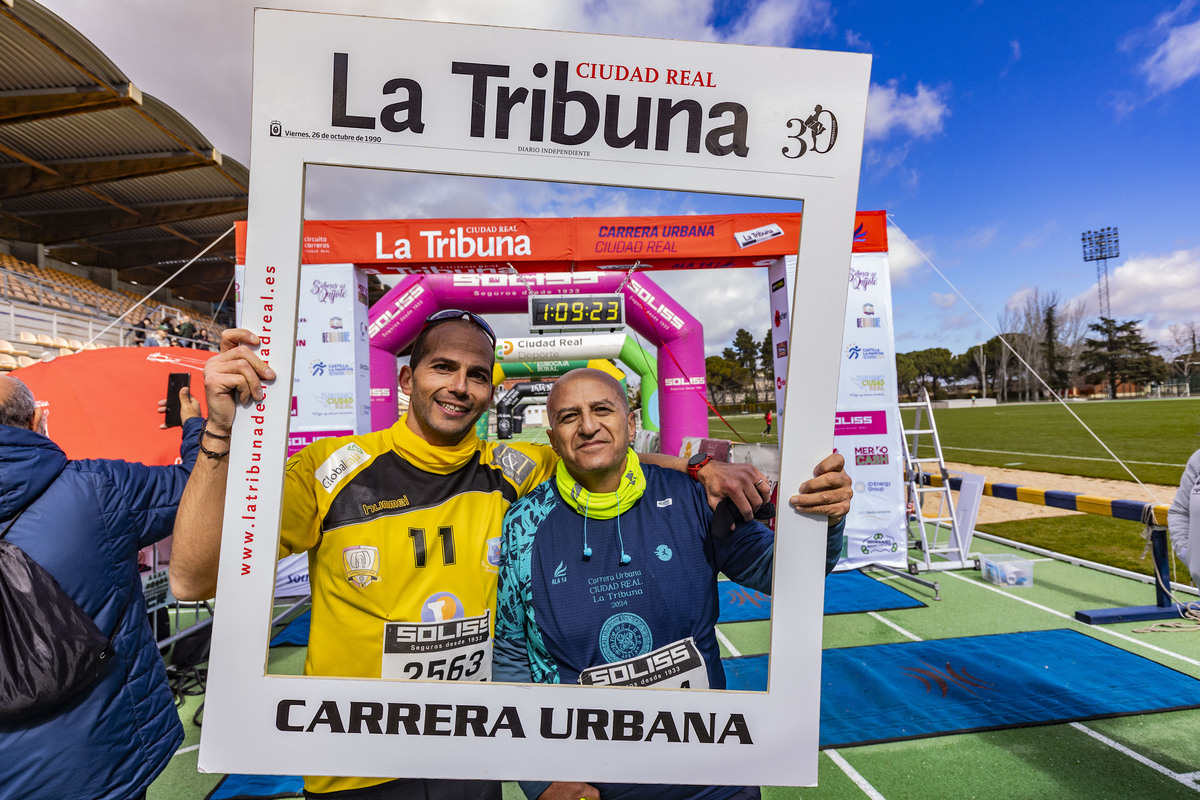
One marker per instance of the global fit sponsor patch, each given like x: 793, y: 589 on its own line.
x: 341, y: 463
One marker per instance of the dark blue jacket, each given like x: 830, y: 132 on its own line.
x: 85, y: 529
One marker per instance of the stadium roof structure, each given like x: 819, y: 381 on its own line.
x: 101, y: 174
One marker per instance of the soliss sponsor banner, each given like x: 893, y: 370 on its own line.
x: 435, y: 98
x: 866, y: 429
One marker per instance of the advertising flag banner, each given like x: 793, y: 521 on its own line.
x: 866, y: 430
x: 488, y: 102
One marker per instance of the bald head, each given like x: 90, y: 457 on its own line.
x: 17, y: 407
x: 604, y: 384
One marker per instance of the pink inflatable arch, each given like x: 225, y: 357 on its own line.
x: 396, y: 320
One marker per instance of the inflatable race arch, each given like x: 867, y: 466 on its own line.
x: 495, y: 265
x: 515, y: 358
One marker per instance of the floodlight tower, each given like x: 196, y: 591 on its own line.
x: 1099, y: 246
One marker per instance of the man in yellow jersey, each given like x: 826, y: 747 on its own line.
x: 402, y: 526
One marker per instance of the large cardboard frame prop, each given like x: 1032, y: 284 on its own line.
x: 430, y: 97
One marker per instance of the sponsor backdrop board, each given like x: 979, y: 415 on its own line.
x: 331, y: 388
x: 865, y: 427
x: 440, y: 98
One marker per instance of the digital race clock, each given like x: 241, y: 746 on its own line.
x: 576, y: 312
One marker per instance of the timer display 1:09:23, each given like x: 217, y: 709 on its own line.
x: 578, y: 310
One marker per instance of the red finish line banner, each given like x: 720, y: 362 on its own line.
x: 555, y: 245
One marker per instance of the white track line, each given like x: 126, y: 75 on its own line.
x: 1097, y: 628
x: 1185, y: 779
x: 723, y: 639
x: 859, y: 781
x: 894, y: 626
x: 1052, y: 455
x: 183, y: 750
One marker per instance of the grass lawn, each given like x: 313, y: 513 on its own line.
x: 1160, y: 434
x: 748, y: 427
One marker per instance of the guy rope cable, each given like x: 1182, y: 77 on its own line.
x: 133, y: 307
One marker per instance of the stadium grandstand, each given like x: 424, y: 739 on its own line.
x: 105, y: 192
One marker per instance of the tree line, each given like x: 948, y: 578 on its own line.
x: 744, y: 372
x: 1059, y: 343
x: 1046, y: 336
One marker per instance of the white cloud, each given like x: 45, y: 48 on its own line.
x: 712, y: 296
x: 904, y: 256
x: 1176, y: 51
x: 879, y: 161
x: 1038, y: 237
x: 1016, y: 301
x: 855, y: 41
x: 772, y: 22
x: 921, y: 115
x: 1176, y: 61
x: 1014, y: 48
x: 979, y: 238
x: 1157, y: 289
x: 944, y: 300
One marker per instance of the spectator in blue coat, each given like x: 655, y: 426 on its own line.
x: 84, y: 522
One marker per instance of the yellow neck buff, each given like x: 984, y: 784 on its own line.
x: 438, y: 460
x: 603, y: 505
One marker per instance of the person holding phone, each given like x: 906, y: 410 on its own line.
x: 84, y: 522
x: 178, y: 386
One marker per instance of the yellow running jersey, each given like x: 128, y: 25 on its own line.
x: 403, y: 546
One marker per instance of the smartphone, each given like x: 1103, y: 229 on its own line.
x: 175, y: 382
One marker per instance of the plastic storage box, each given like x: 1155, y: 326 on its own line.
x: 1007, y: 569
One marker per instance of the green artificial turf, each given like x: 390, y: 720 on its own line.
x: 743, y: 427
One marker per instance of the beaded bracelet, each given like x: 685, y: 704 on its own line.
x: 210, y: 453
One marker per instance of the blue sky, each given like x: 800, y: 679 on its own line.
x: 996, y: 134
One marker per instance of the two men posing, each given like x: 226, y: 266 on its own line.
x: 403, y: 526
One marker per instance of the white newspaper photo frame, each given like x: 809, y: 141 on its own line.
x: 386, y: 94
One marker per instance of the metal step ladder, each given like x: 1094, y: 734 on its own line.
x: 934, y: 537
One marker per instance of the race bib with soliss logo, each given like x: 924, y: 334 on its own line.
x: 678, y: 665
x: 454, y: 650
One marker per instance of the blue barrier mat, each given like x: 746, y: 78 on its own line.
x: 845, y: 593
x: 891, y: 692
x: 295, y: 632
x: 257, y: 787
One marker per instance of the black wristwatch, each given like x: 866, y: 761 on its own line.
x: 695, y: 463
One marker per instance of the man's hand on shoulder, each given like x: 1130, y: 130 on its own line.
x: 743, y: 484
x: 828, y: 492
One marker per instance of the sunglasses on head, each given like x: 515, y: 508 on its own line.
x: 447, y: 314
